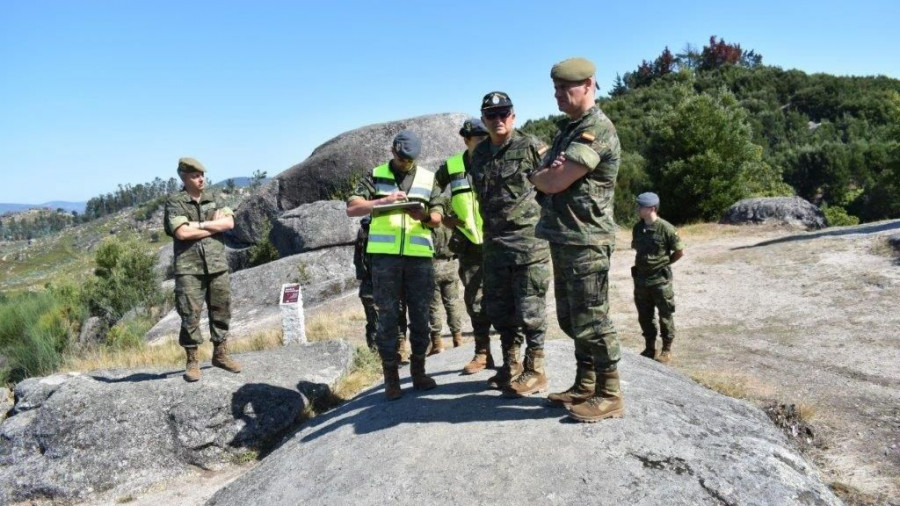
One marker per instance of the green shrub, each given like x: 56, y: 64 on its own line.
x: 128, y: 334
x: 124, y: 279
x: 837, y: 216
x: 263, y: 251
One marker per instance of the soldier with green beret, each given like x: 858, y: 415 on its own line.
x: 576, y: 183
x: 657, y: 246
x: 516, y: 262
x: 196, y: 220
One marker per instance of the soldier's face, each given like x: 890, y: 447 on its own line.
x: 194, y: 181
x: 646, y: 212
x: 498, y: 121
x: 473, y: 141
x: 402, y: 163
x: 570, y: 95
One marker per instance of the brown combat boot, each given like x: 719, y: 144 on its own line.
x: 221, y: 359
x: 421, y: 381
x: 510, y: 370
x: 403, y: 351
x: 482, y: 359
x: 391, y: 380
x: 649, y: 348
x: 457, y: 339
x: 606, y: 403
x: 437, y: 344
x: 582, y: 390
x: 533, y: 379
x: 192, y: 368
x: 665, y: 356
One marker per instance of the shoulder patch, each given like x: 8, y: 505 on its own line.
x: 588, y: 136
x: 542, y: 150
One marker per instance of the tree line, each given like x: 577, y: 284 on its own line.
x: 705, y: 128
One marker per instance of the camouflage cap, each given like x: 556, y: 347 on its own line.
x: 188, y: 164
x: 473, y: 127
x: 648, y: 199
x: 407, y: 144
x: 573, y: 69
x: 496, y: 100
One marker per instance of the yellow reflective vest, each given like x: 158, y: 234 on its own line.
x: 463, y: 201
x: 395, y: 232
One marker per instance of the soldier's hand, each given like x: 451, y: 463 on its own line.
x: 397, y: 196
x: 558, y: 162
x: 451, y: 221
x: 417, y: 213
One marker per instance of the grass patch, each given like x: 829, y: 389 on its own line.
x: 245, y: 457
x: 732, y: 384
x: 365, y: 371
x: 881, y: 247
x: 853, y: 496
x: 326, y: 326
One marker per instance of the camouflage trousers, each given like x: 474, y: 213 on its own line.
x: 446, y: 297
x: 397, y: 278
x: 367, y: 298
x: 191, y: 292
x: 581, y: 283
x: 515, y: 298
x: 649, y: 299
x: 470, y: 273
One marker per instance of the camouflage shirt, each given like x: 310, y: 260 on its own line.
x: 582, y: 214
x: 506, y: 196
x: 199, y: 256
x: 653, y: 245
x: 441, y: 237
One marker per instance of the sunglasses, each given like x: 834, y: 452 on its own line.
x: 502, y: 114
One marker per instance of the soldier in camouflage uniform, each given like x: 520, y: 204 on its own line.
x: 401, y: 247
x: 195, y: 221
x: 446, y: 291
x: 577, y: 180
x: 516, y: 263
x: 363, y: 263
x: 657, y: 246
x: 468, y: 239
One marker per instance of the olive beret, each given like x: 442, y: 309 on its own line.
x: 648, y: 199
x: 188, y: 164
x: 573, y: 69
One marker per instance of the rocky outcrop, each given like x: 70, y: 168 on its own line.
x: 73, y: 436
x: 314, y: 226
x: 333, y: 168
x: 679, y: 443
x: 792, y: 211
x: 323, y: 274
x: 93, y: 330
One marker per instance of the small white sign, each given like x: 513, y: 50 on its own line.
x: 293, y: 322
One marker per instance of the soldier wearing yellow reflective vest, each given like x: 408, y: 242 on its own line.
x: 468, y: 238
x: 401, y: 247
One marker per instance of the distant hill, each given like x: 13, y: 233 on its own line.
x: 54, y: 204
x: 239, y: 182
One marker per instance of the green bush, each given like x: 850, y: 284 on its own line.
x: 263, y: 251
x: 124, y: 279
x: 837, y: 216
x: 128, y: 334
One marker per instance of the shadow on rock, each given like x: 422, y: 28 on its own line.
x: 138, y: 377
x: 454, y: 403
x: 864, y: 229
x: 267, y: 412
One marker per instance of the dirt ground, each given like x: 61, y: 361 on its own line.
x: 772, y: 315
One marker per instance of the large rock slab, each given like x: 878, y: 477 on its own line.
x: 679, y: 443
x: 792, y: 211
x: 335, y: 166
x: 73, y: 436
x: 323, y: 275
x: 312, y: 226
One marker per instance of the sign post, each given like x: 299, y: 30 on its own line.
x: 293, y: 323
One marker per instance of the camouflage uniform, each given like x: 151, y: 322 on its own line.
x: 363, y: 263
x: 653, y: 290
x: 201, y: 270
x: 516, y: 269
x: 396, y: 278
x: 470, y: 256
x: 579, y: 224
x: 446, y: 284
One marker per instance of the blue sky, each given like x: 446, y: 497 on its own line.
x: 98, y: 93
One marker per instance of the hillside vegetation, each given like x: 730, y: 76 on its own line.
x: 706, y: 128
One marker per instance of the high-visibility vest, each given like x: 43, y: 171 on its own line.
x: 395, y: 232
x: 463, y: 201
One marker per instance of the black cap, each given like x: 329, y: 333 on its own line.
x: 407, y: 144
x: 496, y: 100
x: 473, y: 127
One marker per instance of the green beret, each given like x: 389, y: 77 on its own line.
x: 190, y: 165
x: 573, y: 69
